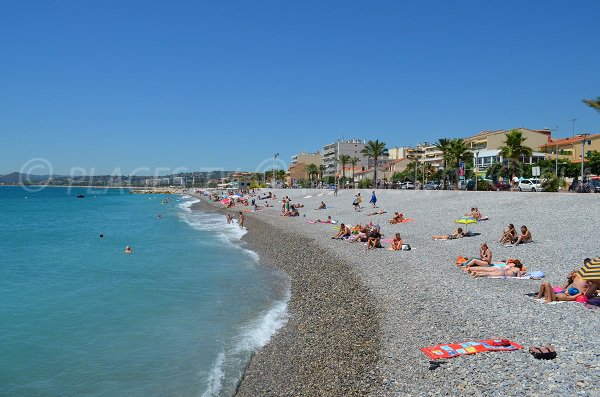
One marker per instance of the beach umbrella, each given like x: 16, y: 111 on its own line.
x: 466, y: 220
x: 590, y: 269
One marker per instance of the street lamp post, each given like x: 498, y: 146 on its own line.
x: 273, y: 172
x: 476, y: 169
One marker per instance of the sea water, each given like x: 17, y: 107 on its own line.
x: 180, y: 316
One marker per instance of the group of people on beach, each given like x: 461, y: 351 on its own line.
x: 510, y: 235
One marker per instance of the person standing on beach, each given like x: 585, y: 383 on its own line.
x: 373, y: 200
x: 335, y: 190
x: 229, y: 219
x: 355, y: 203
x: 241, y: 220
x: 359, y: 200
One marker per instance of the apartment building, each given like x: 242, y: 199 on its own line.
x: 333, y: 151
x: 570, y: 148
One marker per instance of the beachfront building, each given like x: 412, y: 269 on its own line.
x: 570, y: 148
x: 297, y: 169
x: 486, y: 146
x: 398, y: 152
x: 398, y: 165
x: 350, y: 147
x: 383, y: 174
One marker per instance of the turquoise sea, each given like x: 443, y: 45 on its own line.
x: 180, y: 316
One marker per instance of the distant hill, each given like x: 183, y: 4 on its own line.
x: 15, y: 177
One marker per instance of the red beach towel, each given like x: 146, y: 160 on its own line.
x: 461, y: 349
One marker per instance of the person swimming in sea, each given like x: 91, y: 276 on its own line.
x: 128, y: 250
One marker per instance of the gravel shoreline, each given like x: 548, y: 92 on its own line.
x: 330, y: 345
x: 425, y: 300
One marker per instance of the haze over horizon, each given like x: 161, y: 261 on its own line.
x: 105, y: 87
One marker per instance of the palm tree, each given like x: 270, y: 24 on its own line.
x: 321, y: 170
x: 343, y: 159
x: 593, y: 103
x: 374, y: 150
x: 353, y: 162
x: 514, y: 149
x: 457, y: 152
x: 311, y: 170
x: 443, y: 145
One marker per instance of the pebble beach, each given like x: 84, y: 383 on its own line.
x: 358, y: 318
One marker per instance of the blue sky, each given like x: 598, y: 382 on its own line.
x: 128, y: 84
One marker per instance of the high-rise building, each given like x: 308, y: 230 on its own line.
x: 350, y: 147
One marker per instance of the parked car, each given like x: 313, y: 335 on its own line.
x: 530, y: 185
x: 596, y: 184
x: 432, y: 185
x: 464, y: 183
x: 407, y: 185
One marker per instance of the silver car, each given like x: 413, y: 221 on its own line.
x: 530, y: 185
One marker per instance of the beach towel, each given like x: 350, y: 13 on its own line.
x: 461, y: 349
x: 523, y: 277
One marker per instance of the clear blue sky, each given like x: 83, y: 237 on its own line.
x: 127, y: 84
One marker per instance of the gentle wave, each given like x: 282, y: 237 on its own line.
x: 229, y: 365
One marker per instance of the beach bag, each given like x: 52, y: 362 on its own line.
x: 406, y: 247
x: 460, y: 260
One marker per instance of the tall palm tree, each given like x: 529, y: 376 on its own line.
x: 514, y: 149
x: 374, y: 150
x: 353, y: 162
x: 443, y: 145
x: 343, y: 159
x: 457, y: 152
x: 593, y: 103
x: 321, y: 171
x: 311, y: 170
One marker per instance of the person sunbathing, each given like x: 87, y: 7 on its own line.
x: 343, y: 233
x: 298, y: 205
x: 525, y: 236
x: 572, y: 289
x: 374, y: 240
x: 380, y: 212
x: 458, y: 233
x: 396, y: 243
x: 484, y: 260
x: 328, y: 220
x: 509, y: 234
x: 512, y: 269
x: 398, y: 218
x: 322, y: 206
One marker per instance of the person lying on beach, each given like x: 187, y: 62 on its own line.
x: 573, y: 288
x: 398, y: 218
x: 380, y: 212
x: 374, y: 240
x: 509, y: 235
x: 484, y: 260
x: 322, y: 206
x: 525, y: 236
x: 298, y: 205
x: 458, y: 233
x: 328, y: 220
x: 396, y: 243
x: 229, y: 219
x: 343, y: 233
x: 512, y: 269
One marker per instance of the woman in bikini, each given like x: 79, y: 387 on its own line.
x: 396, y: 243
x: 512, y: 269
x: 484, y: 260
x: 508, y: 235
x: 573, y: 288
x: 525, y: 236
x: 458, y: 233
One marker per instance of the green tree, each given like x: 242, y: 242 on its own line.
x: 593, y: 103
x: 513, y: 149
x: 343, y: 159
x: 443, y: 145
x: 457, y: 152
x: 353, y: 162
x: 374, y: 150
x: 593, y: 161
x: 321, y: 171
x: 311, y: 170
